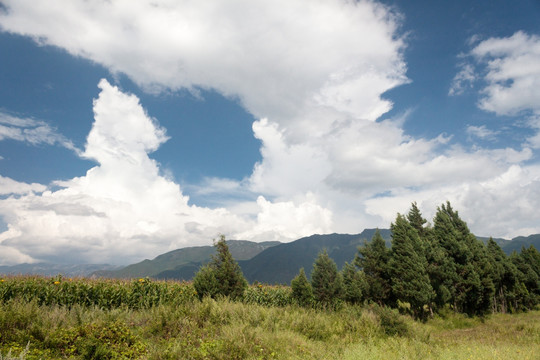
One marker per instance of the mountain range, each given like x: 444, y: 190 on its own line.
x: 267, y: 262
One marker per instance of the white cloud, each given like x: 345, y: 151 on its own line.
x: 481, y: 132
x: 513, y: 73
x: 277, y: 57
x: 502, y: 206
x: 314, y: 72
x: 9, y: 186
x: 123, y: 210
x: 286, y: 219
x: 463, y: 80
x: 34, y: 132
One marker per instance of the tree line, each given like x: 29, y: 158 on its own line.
x: 428, y: 268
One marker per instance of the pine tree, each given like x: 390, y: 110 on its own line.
x: 408, y: 268
x: 354, y: 284
x: 528, y: 292
x: 222, y: 276
x: 417, y: 221
x: 463, y: 273
x: 504, y: 276
x: 373, y: 259
x: 326, y: 281
x: 301, y: 289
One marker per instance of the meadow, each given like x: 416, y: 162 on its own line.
x: 59, y: 318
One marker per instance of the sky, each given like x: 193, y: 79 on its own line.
x: 128, y: 129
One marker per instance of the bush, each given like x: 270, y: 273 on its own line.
x: 391, y: 322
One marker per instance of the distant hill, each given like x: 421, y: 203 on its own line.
x: 267, y: 262
x: 46, y: 269
x: 521, y: 241
x: 165, y: 266
x: 280, y: 264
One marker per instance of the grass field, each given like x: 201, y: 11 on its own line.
x: 119, y: 323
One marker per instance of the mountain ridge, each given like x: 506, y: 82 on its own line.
x: 270, y: 262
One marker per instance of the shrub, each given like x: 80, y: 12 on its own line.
x: 391, y: 322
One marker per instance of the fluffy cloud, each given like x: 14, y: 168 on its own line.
x: 503, y: 205
x: 123, y: 210
x: 10, y: 186
x: 513, y: 73
x: 277, y: 57
x: 314, y: 73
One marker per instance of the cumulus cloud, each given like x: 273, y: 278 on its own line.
x: 501, y: 206
x: 313, y: 73
x: 9, y: 186
x: 282, y: 219
x: 123, y: 210
x: 31, y: 131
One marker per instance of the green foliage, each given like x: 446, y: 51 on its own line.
x: 463, y: 276
x: 223, y: 329
x: 326, y: 281
x: 110, y: 294
x: 354, y: 284
x: 373, y: 259
x: 302, y: 292
x: 222, y: 276
x: 390, y: 321
x: 206, y: 283
x: 408, y: 268
x: 528, y: 289
x: 268, y: 295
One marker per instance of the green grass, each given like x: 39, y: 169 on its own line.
x: 267, y: 325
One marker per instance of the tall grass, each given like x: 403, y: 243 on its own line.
x: 98, y: 319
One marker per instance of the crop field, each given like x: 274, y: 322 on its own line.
x: 61, y: 318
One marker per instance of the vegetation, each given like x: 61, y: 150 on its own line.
x: 222, y: 276
x: 432, y: 268
x: 326, y: 281
x: 302, y: 292
x: 460, y: 288
x: 254, y: 328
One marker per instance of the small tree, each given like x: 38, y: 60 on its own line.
x: 222, y: 276
x: 326, y: 281
x: 301, y: 289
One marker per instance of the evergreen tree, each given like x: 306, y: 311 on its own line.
x: 326, y: 281
x: 463, y: 271
x: 222, y: 276
x: 504, y: 276
x: 408, y: 268
x: 354, y: 284
x: 528, y: 292
x: 301, y: 289
x: 417, y: 221
x: 373, y: 259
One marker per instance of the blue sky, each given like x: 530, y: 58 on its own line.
x: 130, y: 129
